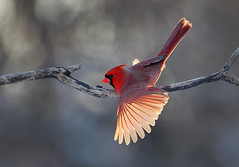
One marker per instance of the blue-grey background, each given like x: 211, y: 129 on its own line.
x: 47, y: 124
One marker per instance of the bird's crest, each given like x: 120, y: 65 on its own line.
x: 121, y: 67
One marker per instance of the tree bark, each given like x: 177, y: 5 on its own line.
x: 63, y: 74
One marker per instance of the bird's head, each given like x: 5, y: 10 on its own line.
x: 115, y: 77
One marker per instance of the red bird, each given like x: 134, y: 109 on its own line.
x: 140, y: 102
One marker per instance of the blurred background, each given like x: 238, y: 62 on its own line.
x: 46, y: 123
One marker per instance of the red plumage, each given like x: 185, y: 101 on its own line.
x: 140, y: 102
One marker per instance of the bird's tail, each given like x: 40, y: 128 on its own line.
x: 177, y: 35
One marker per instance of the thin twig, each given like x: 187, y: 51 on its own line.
x: 63, y: 74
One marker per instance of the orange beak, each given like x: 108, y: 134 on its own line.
x: 105, y: 80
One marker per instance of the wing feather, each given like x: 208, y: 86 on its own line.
x: 139, y: 119
x: 131, y: 128
x: 157, y: 108
x: 136, y: 125
x: 147, y: 110
x: 136, y: 114
x: 117, y: 128
x: 120, y: 131
x: 143, y: 114
x: 125, y: 129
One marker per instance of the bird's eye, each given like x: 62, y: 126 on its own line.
x: 111, y: 76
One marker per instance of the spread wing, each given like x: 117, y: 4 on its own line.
x: 137, y: 114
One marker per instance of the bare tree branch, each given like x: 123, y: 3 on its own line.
x: 220, y: 75
x: 63, y: 74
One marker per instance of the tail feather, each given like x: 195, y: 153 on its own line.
x: 177, y: 35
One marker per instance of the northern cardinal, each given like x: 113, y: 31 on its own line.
x: 140, y: 102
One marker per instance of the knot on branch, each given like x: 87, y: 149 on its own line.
x: 231, y: 79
